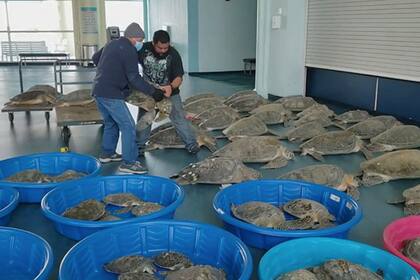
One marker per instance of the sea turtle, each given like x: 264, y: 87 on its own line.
x: 142, y: 100
x: 169, y: 138
x: 307, y: 222
x: 198, y: 106
x: 388, y: 121
x: 304, y: 132
x: 216, y: 171
x: 296, y: 103
x: 249, y: 126
x: 257, y: 149
x: 303, y: 207
x: 133, y: 263
x: 403, y: 164
x: 334, y: 143
x: 259, y: 213
x: 411, y: 249
x: 396, y: 138
x: 247, y: 103
x: 272, y: 113
x: 353, y: 116
x: 197, y: 272
x: 345, y: 270
x: 137, y: 276
x: 145, y: 208
x: 123, y: 199
x: 78, y: 97
x: 315, y: 109
x: 319, y: 117
x: 239, y: 94
x: 216, y: 118
x: 35, y: 95
x: 368, y: 128
x: 109, y: 218
x: 200, y: 96
x: 68, y: 175
x: 326, y: 174
x: 411, y: 199
x: 147, y: 103
x: 90, y: 210
x: 172, y: 261
x: 301, y: 274
x: 29, y: 176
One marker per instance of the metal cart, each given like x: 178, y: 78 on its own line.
x: 32, y: 58
x: 73, y: 115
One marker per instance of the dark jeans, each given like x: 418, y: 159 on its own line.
x: 117, y: 118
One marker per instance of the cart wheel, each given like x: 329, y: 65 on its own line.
x: 47, y: 116
x: 65, y: 134
x: 64, y: 149
x: 27, y: 112
x: 11, y: 117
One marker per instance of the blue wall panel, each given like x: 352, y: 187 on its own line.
x: 399, y: 98
x: 351, y: 89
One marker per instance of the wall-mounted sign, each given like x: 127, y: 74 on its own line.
x: 89, y: 20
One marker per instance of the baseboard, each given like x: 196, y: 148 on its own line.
x: 220, y: 72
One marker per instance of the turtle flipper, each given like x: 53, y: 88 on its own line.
x: 278, y: 162
x: 368, y: 154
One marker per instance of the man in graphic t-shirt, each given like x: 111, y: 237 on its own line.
x: 162, y: 66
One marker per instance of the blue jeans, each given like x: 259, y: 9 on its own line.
x: 117, y: 118
x: 177, y: 117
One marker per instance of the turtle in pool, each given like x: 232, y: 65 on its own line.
x: 249, y: 126
x: 326, y: 174
x: 216, y: 171
x: 36, y: 95
x: 239, y: 94
x: 172, y: 261
x: 304, y: 132
x: 198, y: 106
x: 133, y: 263
x: 68, y: 175
x: 411, y: 249
x: 345, y: 270
x: 29, y: 176
x: 201, y: 272
x: 272, y: 113
x: 216, y: 118
x: 80, y: 97
x: 334, y: 143
x: 123, y: 199
x: 200, y: 96
x: 137, y: 276
x: 145, y: 208
x: 411, y: 199
x: 257, y: 149
x: 316, y: 108
x: 353, y: 116
x: 247, y: 103
x: 302, y: 208
x: 301, y: 274
x: 109, y: 218
x: 169, y: 138
x: 396, y: 138
x: 403, y: 164
x: 259, y: 213
x: 296, y: 103
x: 89, y: 210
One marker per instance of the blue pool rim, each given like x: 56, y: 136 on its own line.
x: 246, y: 253
x: 229, y: 219
x: 105, y: 224
x: 12, y: 204
x: 46, y: 270
x: 274, y: 251
x: 52, y: 184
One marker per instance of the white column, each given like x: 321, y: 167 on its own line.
x: 263, y: 46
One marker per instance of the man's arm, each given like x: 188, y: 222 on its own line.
x: 96, y: 56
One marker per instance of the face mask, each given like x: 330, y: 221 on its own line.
x: 138, y: 45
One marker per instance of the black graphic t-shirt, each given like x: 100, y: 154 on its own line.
x: 160, y: 70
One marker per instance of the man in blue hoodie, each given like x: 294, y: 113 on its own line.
x: 117, y: 69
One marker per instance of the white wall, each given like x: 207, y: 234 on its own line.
x: 172, y: 13
x: 226, y: 34
x: 281, y: 52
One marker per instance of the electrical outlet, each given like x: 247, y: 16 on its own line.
x: 276, y: 22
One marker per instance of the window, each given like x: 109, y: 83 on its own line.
x: 41, y: 22
x: 122, y: 13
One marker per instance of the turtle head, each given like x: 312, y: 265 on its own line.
x: 188, y: 175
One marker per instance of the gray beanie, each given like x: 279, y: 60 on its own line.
x: 134, y: 31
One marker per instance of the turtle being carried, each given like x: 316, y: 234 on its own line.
x: 147, y: 103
